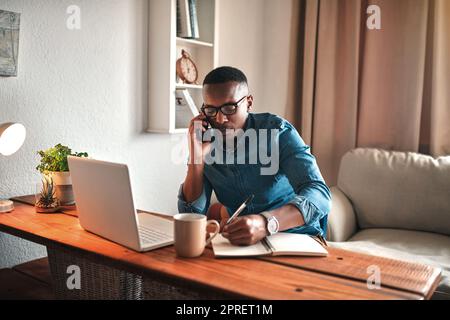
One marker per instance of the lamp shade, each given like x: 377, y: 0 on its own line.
x: 12, y: 136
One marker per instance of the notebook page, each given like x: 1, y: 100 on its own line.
x: 222, y: 247
x: 296, y: 244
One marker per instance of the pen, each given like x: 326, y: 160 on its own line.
x: 239, y: 210
x: 321, y: 240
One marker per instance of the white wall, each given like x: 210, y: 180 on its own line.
x: 254, y: 36
x: 87, y: 89
x: 278, y: 17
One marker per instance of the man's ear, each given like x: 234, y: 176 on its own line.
x: 249, y: 102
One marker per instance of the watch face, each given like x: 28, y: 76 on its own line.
x: 272, y: 226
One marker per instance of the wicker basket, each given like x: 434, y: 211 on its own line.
x: 102, y: 282
x: 98, y: 281
x: 157, y: 290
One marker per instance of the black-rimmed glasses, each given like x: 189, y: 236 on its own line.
x: 226, y: 109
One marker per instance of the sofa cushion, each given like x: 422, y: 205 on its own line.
x: 400, y: 190
x: 341, y: 219
x: 413, y: 246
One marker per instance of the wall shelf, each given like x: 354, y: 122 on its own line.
x: 192, y: 42
x: 164, y: 50
x: 188, y: 86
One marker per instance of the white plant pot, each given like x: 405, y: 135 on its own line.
x: 64, y: 191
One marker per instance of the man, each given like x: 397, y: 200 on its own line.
x: 293, y: 199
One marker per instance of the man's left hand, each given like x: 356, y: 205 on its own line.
x: 247, y: 230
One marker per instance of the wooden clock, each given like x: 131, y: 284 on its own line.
x: 186, y: 69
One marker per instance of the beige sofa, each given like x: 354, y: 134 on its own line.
x: 394, y: 204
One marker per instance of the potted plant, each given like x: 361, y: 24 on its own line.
x: 54, y: 164
x: 46, y: 200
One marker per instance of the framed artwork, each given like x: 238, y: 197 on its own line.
x: 9, y: 42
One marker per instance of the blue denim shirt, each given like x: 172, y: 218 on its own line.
x: 298, y: 180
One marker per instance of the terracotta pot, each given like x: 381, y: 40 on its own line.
x: 46, y: 210
x: 64, y: 191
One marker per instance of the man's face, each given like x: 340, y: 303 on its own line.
x: 230, y: 92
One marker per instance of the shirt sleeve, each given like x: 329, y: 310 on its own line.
x: 200, y: 205
x: 313, y: 197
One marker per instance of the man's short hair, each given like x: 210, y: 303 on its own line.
x: 225, y: 74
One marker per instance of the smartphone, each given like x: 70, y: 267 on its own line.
x: 207, y: 126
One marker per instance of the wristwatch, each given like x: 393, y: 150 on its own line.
x: 272, y: 223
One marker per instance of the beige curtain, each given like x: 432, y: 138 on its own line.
x: 355, y: 87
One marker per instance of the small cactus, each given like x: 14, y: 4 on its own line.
x: 46, y: 198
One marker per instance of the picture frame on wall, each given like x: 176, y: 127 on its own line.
x: 9, y: 43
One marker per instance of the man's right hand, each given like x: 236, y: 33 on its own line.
x: 193, y: 184
x: 196, y: 145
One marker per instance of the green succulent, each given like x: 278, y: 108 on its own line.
x: 47, y: 198
x: 55, y: 159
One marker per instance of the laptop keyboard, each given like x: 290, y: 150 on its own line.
x: 149, y: 235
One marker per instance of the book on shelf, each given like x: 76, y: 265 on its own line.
x: 185, y: 108
x: 184, y: 28
x: 275, y: 245
x: 194, y: 19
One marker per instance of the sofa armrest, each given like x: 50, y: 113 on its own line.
x: 341, y: 219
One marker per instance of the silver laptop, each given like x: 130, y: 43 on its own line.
x: 105, y: 206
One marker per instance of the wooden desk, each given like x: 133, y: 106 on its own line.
x: 109, y: 270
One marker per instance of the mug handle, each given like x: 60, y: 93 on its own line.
x: 214, y: 222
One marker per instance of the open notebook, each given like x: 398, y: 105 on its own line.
x: 276, y: 245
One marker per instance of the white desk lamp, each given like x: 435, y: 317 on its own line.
x: 12, y: 137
